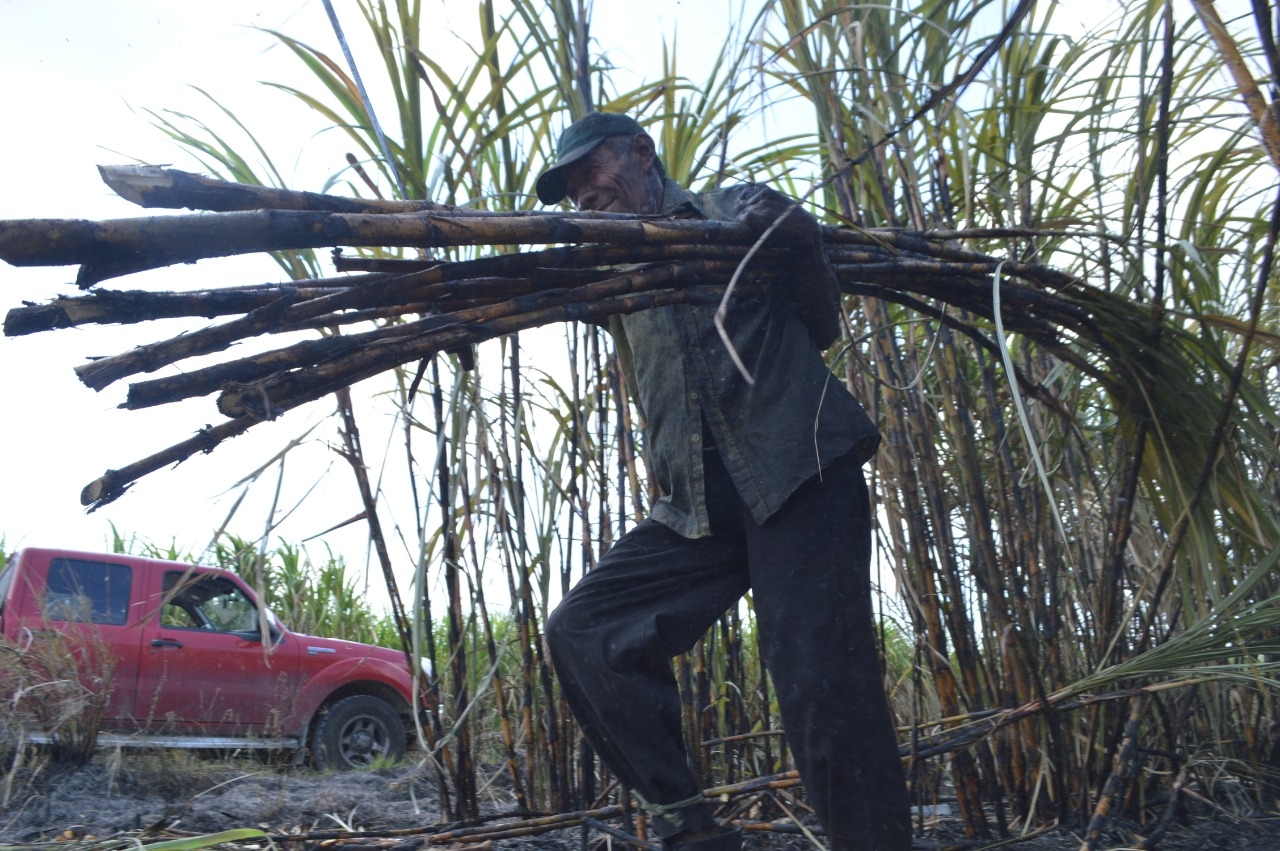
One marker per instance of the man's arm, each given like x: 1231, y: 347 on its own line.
x: 816, y: 290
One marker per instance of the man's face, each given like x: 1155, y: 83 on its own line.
x: 606, y: 182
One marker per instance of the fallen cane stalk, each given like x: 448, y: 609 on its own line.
x: 541, y: 824
x: 620, y: 835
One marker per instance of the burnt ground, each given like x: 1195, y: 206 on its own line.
x: 167, y: 794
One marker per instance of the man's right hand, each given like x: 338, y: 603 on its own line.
x: 768, y: 205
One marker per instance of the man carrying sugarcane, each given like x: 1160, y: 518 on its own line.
x: 762, y: 490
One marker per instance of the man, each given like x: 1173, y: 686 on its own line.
x: 762, y: 490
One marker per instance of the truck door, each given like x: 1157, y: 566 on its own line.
x: 207, y: 666
x: 83, y: 617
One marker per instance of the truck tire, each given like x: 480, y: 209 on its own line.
x: 356, y: 732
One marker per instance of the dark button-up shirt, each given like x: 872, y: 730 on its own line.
x: 772, y: 436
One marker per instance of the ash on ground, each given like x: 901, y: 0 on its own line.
x: 170, y: 794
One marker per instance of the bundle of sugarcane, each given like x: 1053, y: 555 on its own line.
x: 600, y: 265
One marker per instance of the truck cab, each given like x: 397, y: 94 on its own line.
x: 186, y: 656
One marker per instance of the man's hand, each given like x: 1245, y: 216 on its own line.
x: 768, y: 205
x: 815, y: 290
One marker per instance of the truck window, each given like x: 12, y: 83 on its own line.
x: 88, y: 591
x: 206, y: 602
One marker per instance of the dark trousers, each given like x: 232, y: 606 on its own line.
x: 655, y: 593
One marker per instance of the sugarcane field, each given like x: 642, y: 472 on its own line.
x: 646, y: 433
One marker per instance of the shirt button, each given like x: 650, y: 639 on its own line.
x: 694, y: 396
x: 697, y: 438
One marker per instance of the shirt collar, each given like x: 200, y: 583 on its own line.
x: 678, y: 201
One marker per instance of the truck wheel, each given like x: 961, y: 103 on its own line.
x: 355, y: 732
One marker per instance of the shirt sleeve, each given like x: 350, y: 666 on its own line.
x: 814, y: 287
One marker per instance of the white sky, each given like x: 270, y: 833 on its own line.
x: 79, y: 75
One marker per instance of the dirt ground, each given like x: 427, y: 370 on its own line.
x: 174, y: 794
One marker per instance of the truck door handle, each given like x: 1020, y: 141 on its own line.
x: 166, y: 642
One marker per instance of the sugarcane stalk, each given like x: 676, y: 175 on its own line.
x: 1262, y: 113
x: 263, y: 401
x: 558, y: 257
x: 540, y: 823
x: 169, y: 188
x: 276, y: 317
x: 201, y: 382
x: 286, y: 311
x: 374, y: 290
x: 961, y: 285
x: 292, y: 309
x: 473, y: 300
x: 271, y: 396
x: 155, y: 186
x: 1124, y: 765
x: 101, y: 372
x: 989, y: 722
x: 113, y: 247
x: 125, y: 307
x: 112, y: 484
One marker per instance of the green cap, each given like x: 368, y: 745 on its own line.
x: 578, y: 140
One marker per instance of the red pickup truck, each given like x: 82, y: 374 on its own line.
x: 195, y: 661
